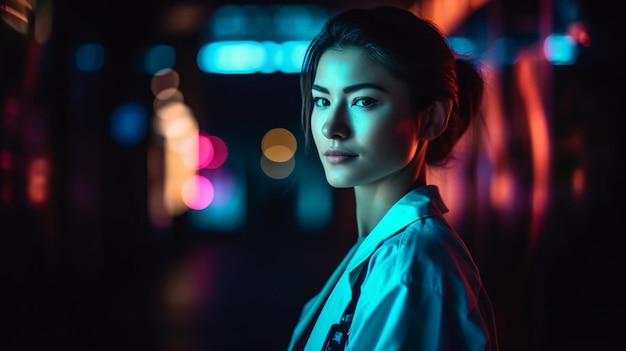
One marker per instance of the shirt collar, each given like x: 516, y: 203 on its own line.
x: 419, y: 203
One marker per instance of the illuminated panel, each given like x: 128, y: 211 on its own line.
x: 248, y: 39
x: 276, y: 22
x: 274, y: 57
x: 232, y: 57
x: 248, y: 57
x: 293, y: 56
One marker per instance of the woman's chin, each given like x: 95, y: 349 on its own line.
x: 339, y: 183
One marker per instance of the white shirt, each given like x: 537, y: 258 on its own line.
x: 422, y: 290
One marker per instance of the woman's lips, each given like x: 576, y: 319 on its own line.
x: 335, y: 156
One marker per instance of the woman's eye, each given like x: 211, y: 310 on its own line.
x: 321, y: 102
x: 365, y: 102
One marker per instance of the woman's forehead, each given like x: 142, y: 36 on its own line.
x: 345, y: 67
x: 350, y: 65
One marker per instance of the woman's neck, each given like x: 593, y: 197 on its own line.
x: 374, y: 200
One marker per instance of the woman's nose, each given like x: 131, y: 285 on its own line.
x: 336, y: 126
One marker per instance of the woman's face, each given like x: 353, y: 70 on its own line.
x: 362, y: 122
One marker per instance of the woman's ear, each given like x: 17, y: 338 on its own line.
x: 435, y: 119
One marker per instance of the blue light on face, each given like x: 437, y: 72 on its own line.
x: 129, y: 124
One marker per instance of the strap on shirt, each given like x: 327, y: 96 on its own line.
x: 337, y: 336
x: 346, y: 318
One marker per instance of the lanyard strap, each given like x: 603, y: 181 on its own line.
x: 338, y: 333
x: 346, y: 318
x: 337, y: 336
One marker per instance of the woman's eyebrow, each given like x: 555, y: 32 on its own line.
x: 351, y: 88
x: 320, y: 89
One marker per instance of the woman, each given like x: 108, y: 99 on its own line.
x: 383, y: 97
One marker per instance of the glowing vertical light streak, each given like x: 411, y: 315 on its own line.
x: 530, y: 88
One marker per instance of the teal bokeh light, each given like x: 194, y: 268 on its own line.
x: 227, y: 212
x: 463, y: 46
x: 159, y: 57
x: 560, y: 49
x: 314, y: 201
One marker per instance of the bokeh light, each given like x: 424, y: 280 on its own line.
x: 38, y: 176
x: 228, y: 210
x: 197, y: 192
x: 164, y: 79
x: 560, y: 49
x: 197, y: 151
x: 206, y: 152
x: 279, y: 144
x: 175, y: 122
x: 220, y: 152
x: 166, y: 97
x: 159, y: 57
x: 277, y: 170
x: 89, y: 57
x: 232, y: 57
x: 248, y: 57
x: 129, y: 124
x: 463, y: 46
x: 314, y: 202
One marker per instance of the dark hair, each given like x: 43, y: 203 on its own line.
x: 414, y: 51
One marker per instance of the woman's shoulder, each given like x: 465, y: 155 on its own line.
x: 426, y: 250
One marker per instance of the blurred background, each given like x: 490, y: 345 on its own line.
x: 156, y: 192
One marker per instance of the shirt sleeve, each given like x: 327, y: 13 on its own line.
x: 424, y: 298
x: 403, y: 319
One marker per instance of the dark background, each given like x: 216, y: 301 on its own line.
x: 88, y: 272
